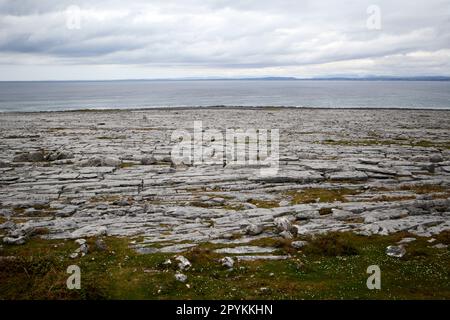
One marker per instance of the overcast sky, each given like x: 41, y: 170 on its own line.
x: 58, y: 39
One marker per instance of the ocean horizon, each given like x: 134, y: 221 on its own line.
x: 142, y: 94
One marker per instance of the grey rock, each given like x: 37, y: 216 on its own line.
x: 161, y: 209
x: 261, y: 257
x: 290, y: 176
x: 123, y: 203
x: 148, y: 160
x: 406, y: 240
x: 89, y: 231
x: 67, y: 211
x: 83, y: 249
x: 36, y: 156
x: 8, y: 225
x: 254, y: 229
x: 227, y: 262
x: 146, y: 250
x: 111, y: 162
x: 183, y: 263
x: 435, y: 158
x: 348, y: 176
x: 286, y: 235
x: 180, y: 277
x: 424, y: 197
x: 101, y: 162
x: 15, y: 241
x: 440, y: 246
x: 339, y: 214
x: 395, y: 251
x: 369, y: 161
x: 176, y: 248
x: 244, y: 250
x: 387, y: 214
x: 80, y: 241
x: 59, y: 155
x: 299, y: 244
x: 282, y: 224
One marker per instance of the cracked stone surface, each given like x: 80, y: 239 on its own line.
x: 97, y: 173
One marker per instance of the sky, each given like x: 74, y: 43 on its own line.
x: 147, y: 39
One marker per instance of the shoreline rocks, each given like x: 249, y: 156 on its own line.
x: 90, y: 180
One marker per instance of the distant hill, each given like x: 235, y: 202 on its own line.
x: 385, y: 78
x: 341, y: 78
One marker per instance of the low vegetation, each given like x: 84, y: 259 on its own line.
x: 312, y: 195
x: 331, y: 266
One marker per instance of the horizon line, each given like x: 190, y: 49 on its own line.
x: 264, y: 78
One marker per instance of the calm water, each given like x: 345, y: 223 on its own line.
x: 46, y: 96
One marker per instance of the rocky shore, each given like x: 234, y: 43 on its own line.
x: 71, y: 175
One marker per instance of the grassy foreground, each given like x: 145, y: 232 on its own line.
x: 330, y: 267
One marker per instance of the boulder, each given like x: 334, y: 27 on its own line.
x: 148, y: 160
x: 183, y: 263
x: 282, y: 224
x: 83, y: 249
x: 16, y: 241
x: 180, y: 277
x: 90, y: 231
x: 435, y: 158
x: 298, y: 244
x: 286, y: 235
x: 80, y: 241
x: 253, y: 229
x: 227, y: 262
x: 395, y: 251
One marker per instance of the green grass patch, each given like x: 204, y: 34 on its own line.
x: 125, y: 165
x: 313, y: 195
x: 331, y: 266
x: 267, y: 204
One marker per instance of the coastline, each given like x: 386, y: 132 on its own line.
x: 357, y: 180
x: 223, y: 107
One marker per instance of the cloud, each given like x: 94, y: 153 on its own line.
x: 218, y: 38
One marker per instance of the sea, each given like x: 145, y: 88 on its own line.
x: 134, y: 94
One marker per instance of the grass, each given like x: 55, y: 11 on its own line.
x: 313, y: 195
x: 332, y: 266
x: 111, y: 137
x: 332, y: 245
x: 225, y: 206
x: 425, y: 189
x: 325, y: 211
x: 125, y: 165
x: 105, y: 198
x: 267, y: 204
